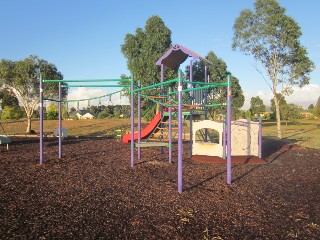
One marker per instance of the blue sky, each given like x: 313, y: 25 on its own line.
x: 83, y: 38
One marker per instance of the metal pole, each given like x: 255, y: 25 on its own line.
x: 161, y: 107
x: 229, y: 114
x: 170, y: 131
x: 139, y: 119
x: 41, y: 120
x: 191, y: 99
x: 206, y: 102
x: 180, y: 145
x: 224, y: 138
x: 132, y: 121
x: 260, y: 138
x: 60, y: 123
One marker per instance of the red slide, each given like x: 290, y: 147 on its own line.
x: 146, y: 131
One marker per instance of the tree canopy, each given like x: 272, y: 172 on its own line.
x: 272, y: 38
x: 144, y: 48
x: 8, y: 99
x: 257, y: 106
x: 22, y: 78
x: 217, y: 74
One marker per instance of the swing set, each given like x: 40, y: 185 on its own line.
x: 60, y: 101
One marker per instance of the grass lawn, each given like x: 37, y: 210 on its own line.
x: 303, y: 132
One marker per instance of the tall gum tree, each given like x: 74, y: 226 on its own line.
x: 22, y: 78
x: 142, y: 50
x: 272, y: 38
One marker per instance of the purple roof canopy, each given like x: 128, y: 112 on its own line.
x: 176, y: 55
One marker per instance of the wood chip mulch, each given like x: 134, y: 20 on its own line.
x: 93, y: 193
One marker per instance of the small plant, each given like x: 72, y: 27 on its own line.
x: 206, y: 236
x: 185, y: 216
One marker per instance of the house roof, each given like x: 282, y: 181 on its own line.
x: 176, y: 55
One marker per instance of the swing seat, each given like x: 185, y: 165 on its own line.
x: 64, y: 132
x: 5, y: 140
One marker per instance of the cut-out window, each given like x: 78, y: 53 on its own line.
x: 208, y: 135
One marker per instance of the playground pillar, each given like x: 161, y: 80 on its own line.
x: 180, y: 145
x: 41, y: 119
x: 191, y: 99
x: 139, y: 119
x: 206, y: 102
x: 260, y: 138
x: 132, y: 121
x: 60, y: 123
x: 224, y: 139
x: 170, y: 130
x: 229, y: 114
x: 161, y: 100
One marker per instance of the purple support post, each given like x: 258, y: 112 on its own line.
x: 180, y: 145
x: 161, y: 100
x: 41, y: 119
x: 139, y: 119
x: 229, y: 114
x: 224, y: 138
x: 60, y: 123
x: 132, y: 121
x: 206, y: 102
x: 191, y: 99
x: 260, y: 138
x: 170, y: 131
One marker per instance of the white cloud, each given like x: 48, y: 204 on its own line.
x: 85, y: 93
x: 301, y: 96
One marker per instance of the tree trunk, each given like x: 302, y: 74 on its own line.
x: 278, y: 116
x: 29, y: 125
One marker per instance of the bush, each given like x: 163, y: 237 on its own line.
x: 11, y: 113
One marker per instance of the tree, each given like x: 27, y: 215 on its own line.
x: 52, y: 112
x: 8, y: 99
x: 256, y: 106
x: 22, y: 78
x: 317, y: 108
x: 282, y: 103
x: 143, y: 49
x: 311, y: 107
x: 117, y: 111
x: 272, y: 38
x: 217, y: 73
x: 292, y: 112
x: 11, y: 112
x: 105, y: 113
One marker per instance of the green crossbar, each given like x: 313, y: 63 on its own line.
x: 87, y: 80
x: 121, y: 86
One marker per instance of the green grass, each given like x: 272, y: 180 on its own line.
x: 302, y: 132
x: 90, y: 127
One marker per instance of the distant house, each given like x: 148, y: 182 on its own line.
x: 307, y: 115
x: 84, y: 114
x: 81, y: 114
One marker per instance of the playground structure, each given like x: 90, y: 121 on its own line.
x: 244, y: 140
x: 247, y: 135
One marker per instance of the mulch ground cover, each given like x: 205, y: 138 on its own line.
x: 93, y: 193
